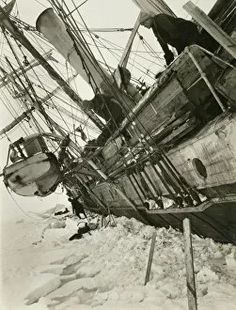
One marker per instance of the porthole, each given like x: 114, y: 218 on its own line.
x: 199, y: 168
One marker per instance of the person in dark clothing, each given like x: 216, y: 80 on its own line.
x: 174, y: 31
x: 105, y: 106
x: 110, y: 110
x: 77, y: 207
x: 81, y: 231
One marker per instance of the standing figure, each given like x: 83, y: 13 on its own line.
x: 110, y: 110
x: 174, y: 31
x: 77, y: 207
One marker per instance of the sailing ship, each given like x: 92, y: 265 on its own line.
x: 165, y: 152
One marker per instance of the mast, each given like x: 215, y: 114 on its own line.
x: 16, y: 121
x: 6, y: 22
x: 6, y: 10
x: 11, y: 78
x: 73, y: 47
x: 61, y: 109
x: 32, y: 64
x: 21, y: 24
x: 124, y: 59
x: 150, y: 8
x: 70, y: 114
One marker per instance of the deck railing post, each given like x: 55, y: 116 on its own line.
x: 190, y: 277
x: 205, y: 78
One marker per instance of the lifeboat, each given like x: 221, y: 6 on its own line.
x: 34, y: 170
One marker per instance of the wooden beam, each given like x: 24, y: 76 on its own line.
x: 7, y: 9
x: 150, y: 258
x: 124, y: 59
x: 212, y: 28
x: 16, y: 121
x: 204, y: 77
x: 190, y: 277
x: 20, y: 37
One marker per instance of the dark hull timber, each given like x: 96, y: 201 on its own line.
x: 207, y: 161
x: 214, y: 219
x: 178, y: 105
x: 202, y: 153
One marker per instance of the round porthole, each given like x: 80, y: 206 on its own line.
x: 199, y: 168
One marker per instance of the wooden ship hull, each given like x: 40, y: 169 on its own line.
x: 215, y: 217
x: 190, y: 144
x: 212, y: 219
x: 182, y: 146
x: 174, y: 155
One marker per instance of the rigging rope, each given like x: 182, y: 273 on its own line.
x: 18, y: 77
x: 146, y: 143
x: 22, y: 125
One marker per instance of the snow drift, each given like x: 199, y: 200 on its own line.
x: 106, y: 270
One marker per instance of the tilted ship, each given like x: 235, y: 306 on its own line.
x: 171, y: 155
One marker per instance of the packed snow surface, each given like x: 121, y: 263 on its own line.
x: 106, y: 269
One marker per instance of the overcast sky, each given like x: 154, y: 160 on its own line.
x: 97, y: 13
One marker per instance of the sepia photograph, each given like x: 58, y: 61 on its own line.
x: 117, y: 154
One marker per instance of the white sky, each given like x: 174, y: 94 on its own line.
x: 97, y: 14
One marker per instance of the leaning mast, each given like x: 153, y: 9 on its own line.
x: 6, y: 23
x: 24, y: 115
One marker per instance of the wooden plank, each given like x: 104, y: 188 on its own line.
x: 204, y: 77
x: 227, y: 85
x: 150, y: 258
x: 212, y: 28
x: 214, y: 146
x: 190, y: 277
x: 181, y: 131
x: 125, y: 56
x: 169, y: 99
x: 213, y: 219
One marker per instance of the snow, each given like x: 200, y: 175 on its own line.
x: 42, y: 285
x: 41, y: 269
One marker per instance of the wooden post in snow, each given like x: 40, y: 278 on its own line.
x: 211, y: 27
x: 150, y: 257
x: 190, y: 277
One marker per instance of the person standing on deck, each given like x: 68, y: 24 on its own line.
x: 106, y: 107
x: 171, y: 30
x: 110, y: 110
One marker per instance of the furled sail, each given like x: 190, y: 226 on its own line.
x: 53, y: 28
x: 154, y: 7
x: 10, y: 26
x: 77, y: 54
